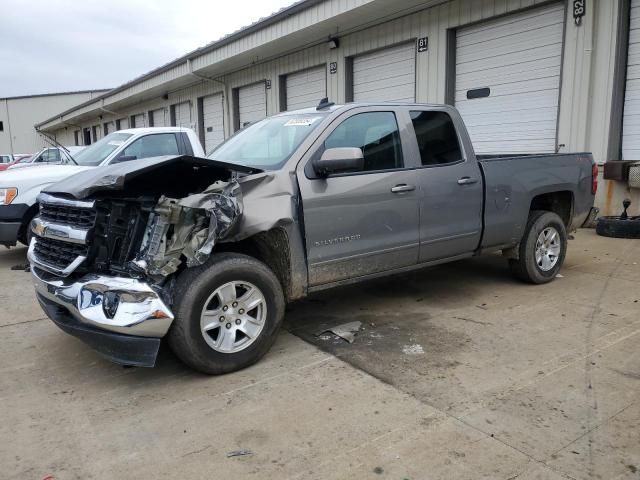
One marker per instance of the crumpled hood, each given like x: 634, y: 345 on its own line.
x: 117, y: 177
x: 47, y: 173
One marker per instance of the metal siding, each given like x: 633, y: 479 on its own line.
x: 631, y: 119
x: 306, y: 88
x: 213, y: 114
x: 387, y: 75
x: 252, y: 103
x: 519, y: 57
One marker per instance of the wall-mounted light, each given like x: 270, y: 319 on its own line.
x: 333, y: 43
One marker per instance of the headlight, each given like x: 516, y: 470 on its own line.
x: 7, y: 195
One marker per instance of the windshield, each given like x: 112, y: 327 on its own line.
x: 269, y: 143
x: 95, y: 154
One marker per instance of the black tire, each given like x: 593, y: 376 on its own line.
x: 193, y: 288
x: 26, y: 234
x: 618, y: 228
x: 525, y: 267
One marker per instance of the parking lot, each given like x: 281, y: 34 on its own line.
x: 458, y: 371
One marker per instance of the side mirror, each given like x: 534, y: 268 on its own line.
x: 339, y: 160
x: 124, y: 158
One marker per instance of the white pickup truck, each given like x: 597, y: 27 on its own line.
x: 19, y: 188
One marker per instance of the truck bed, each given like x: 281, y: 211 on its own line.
x: 513, y: 182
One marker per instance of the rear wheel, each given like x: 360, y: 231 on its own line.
x: 228, y: 313
x: 542, y: 249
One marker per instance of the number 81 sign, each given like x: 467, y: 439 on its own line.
x: 579, y: 7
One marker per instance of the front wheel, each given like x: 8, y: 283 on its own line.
x: 542, y: 249
x: 228, y: 313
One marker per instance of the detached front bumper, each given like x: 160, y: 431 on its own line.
x: 123, y: 319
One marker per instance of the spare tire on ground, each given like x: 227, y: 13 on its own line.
x: 618, y: 227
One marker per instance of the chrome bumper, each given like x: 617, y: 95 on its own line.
x: 115, y: 304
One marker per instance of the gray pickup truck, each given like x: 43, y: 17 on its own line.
x: 207, y: 251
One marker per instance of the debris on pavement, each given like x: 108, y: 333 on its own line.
x: 414, y: 349
x: 25, y: 267
x: 239, y: 453
x: 346, y: 331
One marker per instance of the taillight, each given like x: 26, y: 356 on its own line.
x: 594, y: 178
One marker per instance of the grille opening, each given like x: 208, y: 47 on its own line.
x: 67, y: 215
x: 56, y: 253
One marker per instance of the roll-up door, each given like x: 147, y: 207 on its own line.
x: 109, y: 127
x: 138, y: 121
x: 306, y: 88
x: 122, y: 124
x: 387, y: 75
x: 631, y: 122
x: 158, y: 117
x: 213, y: 121
x: 252, y: 103
x: 508, y: 80
x: 182, y: 115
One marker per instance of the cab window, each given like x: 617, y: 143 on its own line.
x: 376, y: 134
x: 437, y: 138
x: 152, y: 146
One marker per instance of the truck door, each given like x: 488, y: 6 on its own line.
x: 450, y: 187
x: 363, y: 222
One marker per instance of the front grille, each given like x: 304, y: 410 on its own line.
x: 67, y: 215
x: 57, y: 254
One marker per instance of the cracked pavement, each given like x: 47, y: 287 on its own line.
x: 459, y: 371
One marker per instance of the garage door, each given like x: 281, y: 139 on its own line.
x: 508, y: 81
x: 158, y: 117
x: 213, y: 121
x: 306, y: 88
x: 387, y: 75
x: 631, y: 122
x: 138, y: 121
x: 252, y: 103
x: 182, y: 115
x: 122, y: 124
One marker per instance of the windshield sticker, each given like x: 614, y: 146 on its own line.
x: 116, y: 143
x: 301, y: 122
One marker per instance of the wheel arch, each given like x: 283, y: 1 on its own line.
x: 559, y: 202
x: 273, y: 248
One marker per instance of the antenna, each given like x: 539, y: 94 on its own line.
x: 324, y: 104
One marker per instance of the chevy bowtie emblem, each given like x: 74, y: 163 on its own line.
x: 39, y: 229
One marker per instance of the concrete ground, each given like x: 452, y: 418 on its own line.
x: 458, y: 372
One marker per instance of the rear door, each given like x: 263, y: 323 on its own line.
x: 450, y: 187
x: 366, y: 222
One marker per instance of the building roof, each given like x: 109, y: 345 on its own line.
x: 261, y: 23
x: 74, y: 92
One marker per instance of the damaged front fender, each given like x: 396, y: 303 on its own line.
x: 188, y: 227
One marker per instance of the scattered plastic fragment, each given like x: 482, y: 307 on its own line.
x: 414, y: 349
x: 239, y: 453
x: 346, y: 331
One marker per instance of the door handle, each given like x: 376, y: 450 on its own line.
x: 467, y: 181
x: 402, y: 188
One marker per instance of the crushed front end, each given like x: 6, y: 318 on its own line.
x: 103, y: 265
